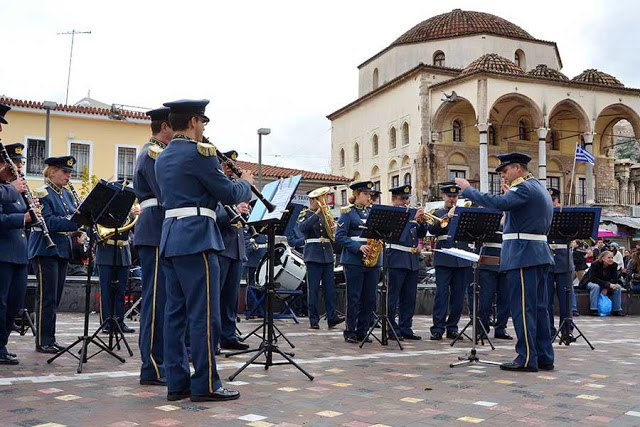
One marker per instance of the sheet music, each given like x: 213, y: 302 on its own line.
x: 459, y: 253
x: 286, y: 189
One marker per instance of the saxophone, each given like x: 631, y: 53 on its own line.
x: 376, y: 249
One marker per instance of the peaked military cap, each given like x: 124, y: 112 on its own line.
x: 15, y: 150
x: 451, y: 189
x: 375, y: 194
x: 555, y: 193
x: 159, y: 114
x: 233, y: 155
x: 511, y: 158
x: 403, y: 190
x: 194, y: 106
x: 63, y: 162
x: 363, y: 186
x: 3, y: 111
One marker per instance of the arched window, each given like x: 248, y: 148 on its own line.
x: 553, y: 143
x: 407, y: 178
x: 375, y: 79
x: 374, y: 145
x: 356, y: 153
x: 405, y: 133
x: 491, y: 133
x: 457, y: 131
x: 523, y: 131
x: 518, y: 58
x: 342, y: 157
x: 438, y: 59
x: 392, y: 138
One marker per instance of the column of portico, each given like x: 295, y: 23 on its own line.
x: 542, y: 155
x: 484, y: 158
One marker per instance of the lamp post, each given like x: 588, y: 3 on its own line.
x: 261, y: 131
x: 48, y: 105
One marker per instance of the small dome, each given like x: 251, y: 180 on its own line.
x: 492, y: 63
x: 543, y: 71
x: 460, y: 23
x: 594, y: 76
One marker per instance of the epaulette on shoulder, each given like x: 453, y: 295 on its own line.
x: 40, y: 192
x: 154, y: 151
x: 207, y: 149
x: 303, y: 215
x: 346, y: 209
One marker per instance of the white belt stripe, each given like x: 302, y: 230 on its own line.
x: 402, y: 248
x: 317, y: 240
x: 189, y: 212
x: 359, y: 239
x: 524, y: 236
x: 556, y: 246
x: 492, y: 245
x: 440, y: 238
x: 149, y: 203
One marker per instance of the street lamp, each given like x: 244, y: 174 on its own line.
x: 261, y: 131
x: 48, y: 105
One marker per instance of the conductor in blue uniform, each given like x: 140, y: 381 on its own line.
x: 319, y: 260
x: 13, y: 258
x: 453, y: 274
x: 50, y: 265
x: 146, y: 239
x: 525, y: 257
x: 403, y: 259
x: 362, y: 281
x: 192, y: 183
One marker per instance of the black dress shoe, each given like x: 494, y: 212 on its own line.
x: 503, y: 336
x: 179, y: 395
x: 127, y: 330
x: 452, y: 334
x: 58, y: 346
x: 412, y: 337
x: 314, y: 326
x: 435, y: 336
x: 336, y: 321
x: 106, y: 331
x: 351, y: 339
x: 161, y: 382
x: 218, y: 352
x: 49, y: 349
x: 513, y: 366
x: 220, y: 394
x: 546, y: 367
x: 618, y: 313
x: 234, y: 345
x: 6, y: 359
x: 576, y: 314
x: 368, y: 340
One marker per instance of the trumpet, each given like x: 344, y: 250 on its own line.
x: 431, y: 219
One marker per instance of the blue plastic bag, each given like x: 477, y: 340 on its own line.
x: 604, y: 305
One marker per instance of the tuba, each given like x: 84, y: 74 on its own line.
x: 320, y: 195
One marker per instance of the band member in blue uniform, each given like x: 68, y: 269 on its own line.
x: 525, y: 257
x: 255, y: 248
x: 9, y: 191
x: 230, y: 260
x: 113, y: 258
x: 191, y: 183
x: 362, y: 281
x: 146, y: 239
x: 50, y: 265
x: 557, y: 278
x: 453, y: 275
x: 13, y: 259
x: 404, y: 261
x: 319, y: 260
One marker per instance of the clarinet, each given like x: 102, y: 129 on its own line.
x: 74, y: 193
x: 28, y: 199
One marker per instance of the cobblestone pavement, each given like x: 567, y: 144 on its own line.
x: 353, y: 387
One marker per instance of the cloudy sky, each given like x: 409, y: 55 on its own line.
x: 278, y: 64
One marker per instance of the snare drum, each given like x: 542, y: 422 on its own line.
x: 289, y: 269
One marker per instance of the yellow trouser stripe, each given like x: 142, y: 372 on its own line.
x: 206, y: 266
x: 524, y: 319
x: 153, y: 315
x: 40, y: 308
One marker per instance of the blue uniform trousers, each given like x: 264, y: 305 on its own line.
x: 193, y: 301
x: 530, y: 316
x: 317, y: 272
x: 13, y: 287
x: 403, y: 287
x: 51, y: 273
x: 230, y: 273
x: 110, y: 295
x: 451, y: 284
x: 494, y: 284
x: 556, y: 283
x: 362, y: 284
x: 154, y: 298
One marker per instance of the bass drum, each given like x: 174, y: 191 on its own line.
x: 289, y: 270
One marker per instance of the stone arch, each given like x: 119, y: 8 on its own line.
x: 493, y: 162
x: 554, y: 165
x: 393, y: 165
x: 447, y: 112
x: 509, y: 109
x: 356, y: 176
x: 457, y: 158
x: 375, y: 170
x: 406, y: 162
x: 567, y: 122
x: 606, y: 119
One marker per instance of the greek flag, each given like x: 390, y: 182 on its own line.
x: 583, y: 155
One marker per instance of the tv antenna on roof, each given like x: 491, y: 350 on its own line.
x: 73, y: 34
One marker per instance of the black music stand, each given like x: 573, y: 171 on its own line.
x: 477, y: 225
x: 96, y: 208
x: 569, y: 224
x: 269, y: 345
x: 384, y: 223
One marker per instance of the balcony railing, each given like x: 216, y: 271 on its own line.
x: 603, y: 196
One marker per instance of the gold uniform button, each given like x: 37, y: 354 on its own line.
x: 18, y: 202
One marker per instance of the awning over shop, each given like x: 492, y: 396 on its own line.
x: 622, y: 220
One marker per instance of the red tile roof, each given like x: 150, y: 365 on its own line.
x: 493, y: 63
x: 596, y: 77
x: 74, y: 109
x: 278, y: 172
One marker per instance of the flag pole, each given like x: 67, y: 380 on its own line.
x: 573, y: 171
